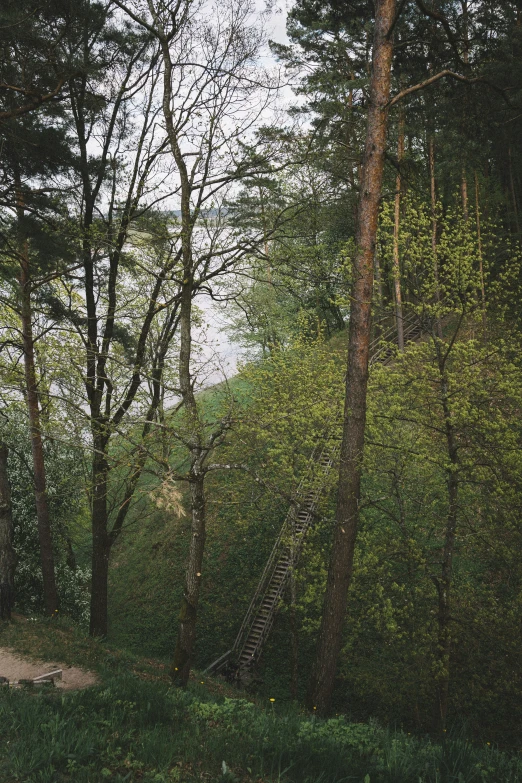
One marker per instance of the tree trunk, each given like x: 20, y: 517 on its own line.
x: 479, y: 248
x: 7, y: 553
x: 465, y: 111
x: 377, y: 296
x: 101, y: 543
x: 340, y: 568
x: 513, y: 192
x: 444, y: 586
x: 396, y: 226
x: 464, y: 194
x: 33, y: 411
x: 434, y: 228
x: 294, y: 632
x: 184, y: 651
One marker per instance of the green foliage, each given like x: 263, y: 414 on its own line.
x: 389, y: 666
x: 130, y: 729
x: 391, y: 655
x: 283, y: 404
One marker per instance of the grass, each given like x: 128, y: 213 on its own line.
x: 135, y: 727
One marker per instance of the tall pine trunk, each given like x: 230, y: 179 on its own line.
x: 33, y: 412
x: 340, y: 568
x: 7, y: 553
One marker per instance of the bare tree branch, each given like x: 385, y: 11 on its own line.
x: 450, y: 75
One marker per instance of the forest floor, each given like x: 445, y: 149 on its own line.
x: 19, y: 667
x: 132, y: 725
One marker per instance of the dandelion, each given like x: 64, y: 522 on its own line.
x: 272, y: 699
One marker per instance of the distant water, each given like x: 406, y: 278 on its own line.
x: 215, y: 355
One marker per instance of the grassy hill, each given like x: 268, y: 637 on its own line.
x: 134, y: 726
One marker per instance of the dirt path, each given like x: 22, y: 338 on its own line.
x: 16, y: 667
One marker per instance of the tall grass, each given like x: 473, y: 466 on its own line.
x: 129, y: 729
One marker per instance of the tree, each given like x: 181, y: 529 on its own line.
x: 7, y: 553
x: 38, y: 53
x: 299, y: 274
x: 105, y: 186
x: 340, y: 568
x: 30, y: 211
x: 213, y: 98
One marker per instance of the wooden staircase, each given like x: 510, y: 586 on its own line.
x: 237, y: 663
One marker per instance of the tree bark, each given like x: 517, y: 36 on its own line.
x: 340, y: 568
x: 184, y: 650
x: 465, y: 107
x: 294, y: 634
x: 481, y: 266
x: 101, y: 544
x: 106, y: 410
x: 7, y: 553
x: 464, y: 193
x: 33, y: 411
x: 434, y: 228
x: 513, y: 192
x: 396, y: 227
x: 445, y: 582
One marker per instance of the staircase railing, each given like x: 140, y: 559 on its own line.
x: 285, y: 553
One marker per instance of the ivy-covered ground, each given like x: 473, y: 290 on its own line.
x: 135, y: 727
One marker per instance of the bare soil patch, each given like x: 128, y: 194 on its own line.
x: 16, y: 667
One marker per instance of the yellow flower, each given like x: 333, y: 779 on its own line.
x: 272, y: 699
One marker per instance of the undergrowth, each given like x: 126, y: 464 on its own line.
x: 135, y: 727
